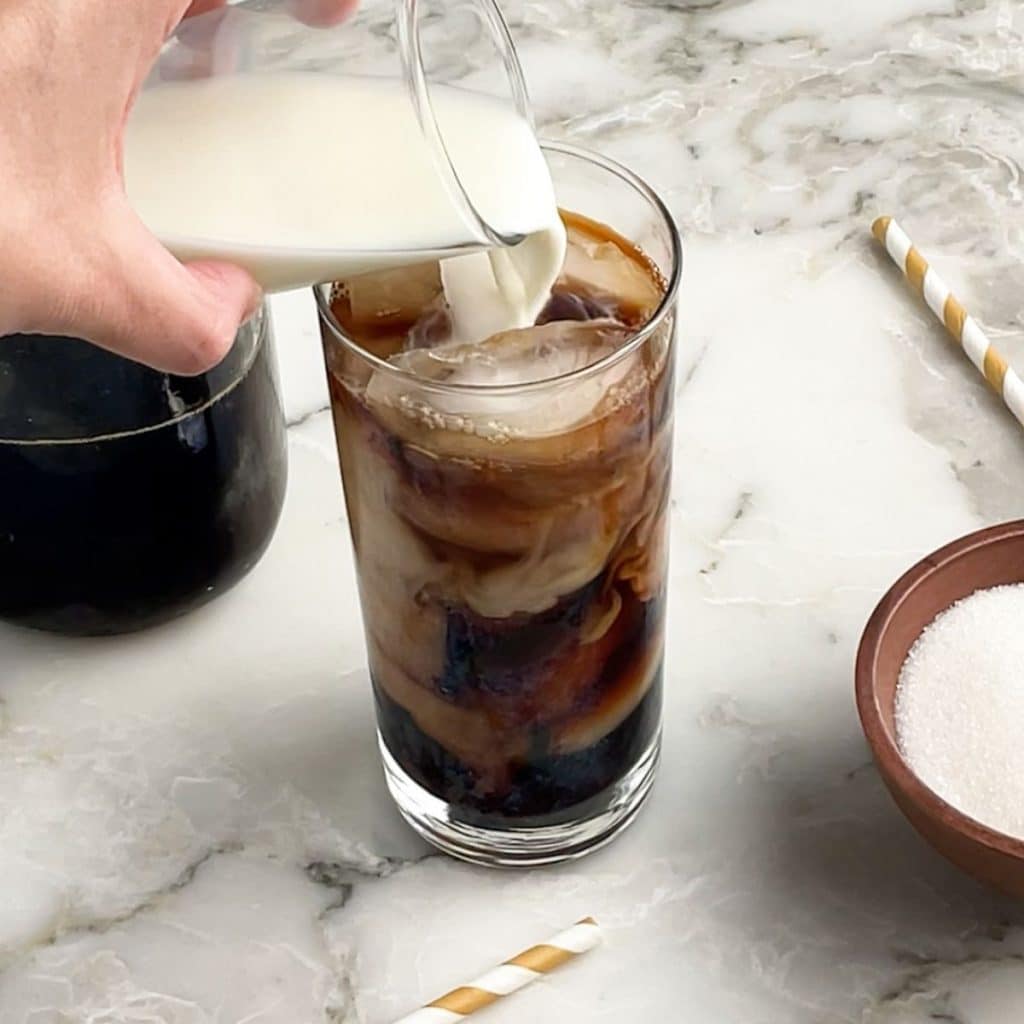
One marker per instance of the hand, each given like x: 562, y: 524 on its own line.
x: 74, y: 257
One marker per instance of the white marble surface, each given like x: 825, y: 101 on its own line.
x: 193, y: 828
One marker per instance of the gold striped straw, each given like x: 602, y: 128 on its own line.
x: 963, y: 327
x: 510, y: 976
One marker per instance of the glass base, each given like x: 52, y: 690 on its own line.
x: 606, y: 815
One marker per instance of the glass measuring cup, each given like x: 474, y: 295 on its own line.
x: 416, y: 46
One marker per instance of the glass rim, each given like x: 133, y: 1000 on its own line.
x: 636, y: 340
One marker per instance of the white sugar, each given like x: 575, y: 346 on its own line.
x: 960, y: 707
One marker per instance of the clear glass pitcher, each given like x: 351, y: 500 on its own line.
x: 131, y: 496
x: 419, y: 45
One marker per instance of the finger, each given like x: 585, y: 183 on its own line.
x: 312, y: 12
x: 142, y: 303
x: 202, y: 7
x: 210, y: 44
x: 323, y: 13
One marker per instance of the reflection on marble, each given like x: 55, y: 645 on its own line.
x: 192, y: 824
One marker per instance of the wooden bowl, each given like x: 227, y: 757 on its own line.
x: 984, y: 559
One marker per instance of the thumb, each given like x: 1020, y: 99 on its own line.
x: 323, y: 13
x: 140, y: 302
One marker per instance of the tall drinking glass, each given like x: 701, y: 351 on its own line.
x: 508, y: 503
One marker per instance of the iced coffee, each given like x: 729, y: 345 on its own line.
x: 508, y: 502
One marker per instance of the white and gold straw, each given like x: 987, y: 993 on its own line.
x: 510, y: 976
x: 963, y: 327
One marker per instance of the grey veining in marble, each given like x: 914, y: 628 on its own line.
x: 193, y: 829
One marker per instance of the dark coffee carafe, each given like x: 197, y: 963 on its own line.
x: 128, y: 496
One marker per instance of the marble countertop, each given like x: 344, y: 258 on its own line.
x: 193, y: 824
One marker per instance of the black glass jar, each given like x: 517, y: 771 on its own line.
x: 127, y: 496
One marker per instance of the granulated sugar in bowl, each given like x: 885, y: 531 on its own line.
x: 960, y: 707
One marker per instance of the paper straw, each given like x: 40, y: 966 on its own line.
x: 964, y: 328
x: 510, y: 976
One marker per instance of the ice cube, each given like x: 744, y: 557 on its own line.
x: 607, y: 270
x: 397, y: 297
x: 522, y: 357
x: 518, y: 357
x: 564, y: 305
x: 434, y: 327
